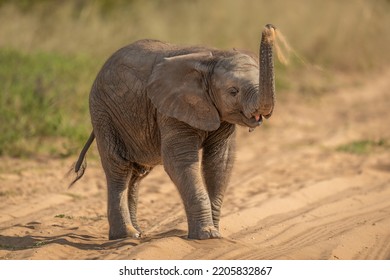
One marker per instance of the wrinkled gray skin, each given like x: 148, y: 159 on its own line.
x: 155, y: 103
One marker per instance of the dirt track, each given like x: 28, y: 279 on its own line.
x: 292, y: 196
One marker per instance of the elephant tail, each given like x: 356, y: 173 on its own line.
x: 81, y: 164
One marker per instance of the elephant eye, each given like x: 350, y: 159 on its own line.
x: 233, y: 91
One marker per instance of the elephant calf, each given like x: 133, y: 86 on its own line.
x: 156, y: 103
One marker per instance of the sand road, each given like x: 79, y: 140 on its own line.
x: 293, y: 195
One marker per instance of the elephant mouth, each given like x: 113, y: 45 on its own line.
x: 253, y: 121
x: 269, y: 115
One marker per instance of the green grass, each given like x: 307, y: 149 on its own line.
x: 43, y: 102
x: 63, y: 216
x: 363, y: 147
x: 38, y: 244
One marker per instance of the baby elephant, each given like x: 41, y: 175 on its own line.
x: 156, y: 103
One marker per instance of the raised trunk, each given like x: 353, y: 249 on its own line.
x: 267, y: 78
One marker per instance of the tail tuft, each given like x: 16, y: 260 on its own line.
x: 81, y: 164
x: 79, y: 169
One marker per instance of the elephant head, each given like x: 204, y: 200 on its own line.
x: 205, y: 88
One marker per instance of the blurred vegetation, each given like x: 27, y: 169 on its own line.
x: 38, y: 105
x: 51, y: 50
x: 362, y: 147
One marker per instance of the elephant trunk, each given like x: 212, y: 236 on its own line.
x: 267, y: 76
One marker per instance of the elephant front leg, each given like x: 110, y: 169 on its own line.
x: 217, y: 164
x: 181, y: 162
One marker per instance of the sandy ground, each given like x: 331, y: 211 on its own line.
x: 293, y: 194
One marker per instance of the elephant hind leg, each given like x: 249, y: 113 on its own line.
x: 118, y: 172
x: 138, y: 173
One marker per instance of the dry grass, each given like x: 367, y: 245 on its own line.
x: 346, y: 35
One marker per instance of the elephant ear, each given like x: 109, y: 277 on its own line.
x: 176, y: 88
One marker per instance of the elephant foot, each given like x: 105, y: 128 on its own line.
x: 126, y: 232
x: 137, y: 227
x: 209, y: 232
